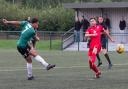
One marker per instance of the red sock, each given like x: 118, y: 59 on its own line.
x: 90, y: 64
x: 95, y: 69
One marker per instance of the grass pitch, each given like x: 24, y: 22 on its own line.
x: 71, y: 72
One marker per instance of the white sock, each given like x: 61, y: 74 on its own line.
x: 29, y: 69
x: 41, y: 60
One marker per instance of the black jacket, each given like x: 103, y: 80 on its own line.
x: 77, y: 25
x: 122, y: 25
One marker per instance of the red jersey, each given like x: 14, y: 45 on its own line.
x: 95, y: 40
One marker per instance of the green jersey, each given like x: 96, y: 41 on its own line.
x: 27, y: 34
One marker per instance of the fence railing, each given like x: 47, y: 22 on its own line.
x: 68, y: 38
x: 64, y: 39
x: 50, y: 37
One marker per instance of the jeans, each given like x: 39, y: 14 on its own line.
x: 77, y: 35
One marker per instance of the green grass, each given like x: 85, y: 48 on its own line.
x: 42, y: 45
x: 71, y: 72
x: 7, y: 44
x: 45, y: 45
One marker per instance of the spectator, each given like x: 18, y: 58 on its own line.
x: 107, y: 22
x: 85, y: 24
x: 77, y: 30
x: 122, y: 26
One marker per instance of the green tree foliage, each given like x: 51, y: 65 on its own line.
x: 51, y: 14
x: 51, y: 19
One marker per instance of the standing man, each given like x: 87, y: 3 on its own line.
x: 122, y: 26
x: 84, y: 26
x: 94, y: 33
x: 27, y: 33
x: 77, y: 29
x: 104, y: 43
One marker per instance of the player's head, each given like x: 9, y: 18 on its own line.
x: 100, y: 19
x: 35, y: 23
x: 93, y: 21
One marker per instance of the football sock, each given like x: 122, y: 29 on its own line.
x: 90, y: 64
x: 29, y: 69
x: 98, y: 57
x: 95, y: 69
x: 107, y: 57
x: 41, y: 60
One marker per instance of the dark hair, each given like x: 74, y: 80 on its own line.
x: 34, y: 20
x: 26, y: 19
x: 101, y: 17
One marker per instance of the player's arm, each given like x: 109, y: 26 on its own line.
x: 37, y: 37
x: 89, y: 35
x: 11, y: 22
x: 107, y: 33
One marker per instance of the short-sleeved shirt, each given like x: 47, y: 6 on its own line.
x: 95, y: 39
x: 27, y: 34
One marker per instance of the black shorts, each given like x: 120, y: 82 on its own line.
x: 24, y: 51
x: 104, y: 43
x: 88, y: 44
x: 33, y: 41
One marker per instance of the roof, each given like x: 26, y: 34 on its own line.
x: 96, y: 5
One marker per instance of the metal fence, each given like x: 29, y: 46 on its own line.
x: 68, y: 38
x: 48, y: 36
x: 65, y: 38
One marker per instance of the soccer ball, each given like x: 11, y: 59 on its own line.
x: 120, y: 48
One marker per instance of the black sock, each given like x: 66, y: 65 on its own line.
x: 98, y: 57
x: 107, y: 57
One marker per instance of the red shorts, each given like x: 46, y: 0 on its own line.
x: 90, y: 52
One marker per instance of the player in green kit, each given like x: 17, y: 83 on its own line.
x: 36, y: 38
x: 27, y: 33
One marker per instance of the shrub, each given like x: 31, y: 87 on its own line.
x: 51, y: 19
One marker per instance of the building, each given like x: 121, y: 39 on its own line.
x: 114, y: 11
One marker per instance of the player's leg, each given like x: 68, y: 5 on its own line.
x: 92, y: 62
x: 107, y: 57
x: 93, y: 59
x: 104, y: 50
x: 25, y: 53
x: 99, y: 60
x: 37, y: 57
x: 29, y: 67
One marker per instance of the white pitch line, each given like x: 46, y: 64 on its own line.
x: 24, y: 68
